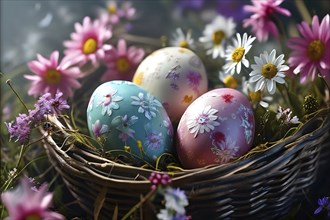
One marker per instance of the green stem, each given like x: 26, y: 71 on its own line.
x: 303, y: 11
x: 7, y: 184
x: 142, y: 40
x: 9, y: 84
x: 143, y: 200
x: 21, y: 153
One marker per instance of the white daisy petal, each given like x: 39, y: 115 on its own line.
x: 264, y: 104
x: 255, y: 78
x: 245, y: 62
x: 270, y: 85
x: 272, y: 92
x: 279, y: 80
x: 278, y: 60
x: 272, y: 56
x: 260, y: 85
x: 239, y: 66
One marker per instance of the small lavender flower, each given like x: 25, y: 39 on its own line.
x: 43, y: 104
x: 176, y: 200
x: 58, y: 104
x: 324, y: 204
x: 36, y: 115
x: 19, y: 129
x: 175, y: 203
x: 48, y: 105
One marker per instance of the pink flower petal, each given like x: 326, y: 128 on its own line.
x: 121, y: 47
x: 37, y: 67
x: 54, y: 58
x: 43, y: 60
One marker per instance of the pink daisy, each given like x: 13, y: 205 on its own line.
x: 88, y: 42
x: 51, y: 76
x: 27, y: 202
x: 261, y: 19
x: 113, y: 13
x: 311, y: 54
x: 122, y: 62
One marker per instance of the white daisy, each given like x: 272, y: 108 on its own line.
x: 215, y: 35
x: 285, y: 116
x: 235, y: 55
x: 203, y: 120
x: 268, y: 71
x: 182, y: 40
x: 257, y: 97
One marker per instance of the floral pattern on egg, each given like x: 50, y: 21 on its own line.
x: 116, y: 112
x: 176, y: 76
x: 109, y: 102
x: 216, y: 128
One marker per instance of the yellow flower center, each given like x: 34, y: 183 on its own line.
x: 112, y: 8
x: 184, y: 44
x: 53, y: 77
x: 33, y: 217
x: 217, y: 37
x: 230, y: 82
x: 89, y: 46
x: 255, y: 96
x: 268, y: 70
x: 122, y: 65
x: 315, y: 50
x: 138, y: 78
x: 238, y: 54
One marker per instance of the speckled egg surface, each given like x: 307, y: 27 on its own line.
x: 175, y: 75
x: 128, y: 118
x: 215, y: 129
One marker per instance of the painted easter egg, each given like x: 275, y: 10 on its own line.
x: 126, y: 117
x: 175, y: 75
x: 215, y: 129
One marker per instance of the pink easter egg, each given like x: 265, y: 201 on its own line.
x: 215, y: 129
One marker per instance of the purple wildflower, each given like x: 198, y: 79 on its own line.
x: 324, y: 204
x: 36, y: 116
x: 48, y: 105
x: 58, y: 104
x: 20, y: 128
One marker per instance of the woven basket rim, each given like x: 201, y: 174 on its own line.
x: 177, y: 176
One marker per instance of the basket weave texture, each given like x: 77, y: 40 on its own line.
x: 262, y: 186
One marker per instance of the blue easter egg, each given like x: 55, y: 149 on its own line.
x: 127, y: 117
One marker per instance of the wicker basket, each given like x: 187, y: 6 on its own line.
x: 262, y: 186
